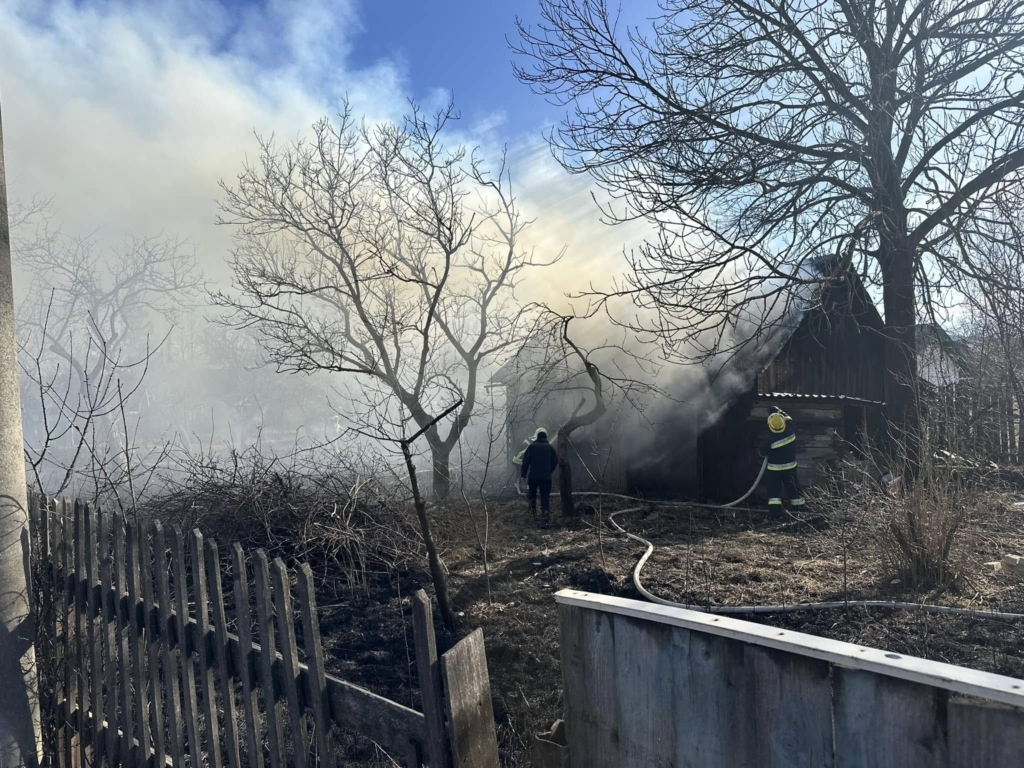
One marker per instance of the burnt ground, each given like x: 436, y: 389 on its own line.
x: 703, y: 556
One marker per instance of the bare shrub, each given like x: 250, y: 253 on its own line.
x: 916, y: 526
x: 340, y: 514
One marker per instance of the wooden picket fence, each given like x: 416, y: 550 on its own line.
x: 138, y: 666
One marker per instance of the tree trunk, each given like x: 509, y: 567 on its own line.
x: 901, y: 403
x: 441, y: 480
x: 436, y: 571
x: 19, y: 706
x: 565, y: 476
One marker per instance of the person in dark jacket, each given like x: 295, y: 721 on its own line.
x: 780, y: 474
x: 539, y: 461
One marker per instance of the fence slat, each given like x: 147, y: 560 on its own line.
x: 290, y: 654
x: 153, y: 647
x: 430, y: 679
x: 137, y: 626
x: 46, y: 624
x: 92, y: 573
x: 107, y: 633
x: 318, y: 700
x: 123, y: 636
x: 55, y: 625
x: 170, y: 661
x: 268, y: 653
x: 468, y: 705
x: 220, y: 626
x: 206, y: 676
x: 81, y: 651
x: 68, y: 621
x: 188, y: 674
x: 243, y: 617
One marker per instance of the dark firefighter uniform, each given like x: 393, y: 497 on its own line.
x: 780, y: 474
x: 539, y: 461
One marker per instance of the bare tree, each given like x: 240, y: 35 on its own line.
x: 85, y: 346
x: 377, y: 252
x: 763, y: 135
x: 553, y: 370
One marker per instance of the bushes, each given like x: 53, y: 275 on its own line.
x: 340, y: 515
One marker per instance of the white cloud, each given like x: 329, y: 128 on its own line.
x: 128, y: 114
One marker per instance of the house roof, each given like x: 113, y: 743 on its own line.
x: 817, y: 398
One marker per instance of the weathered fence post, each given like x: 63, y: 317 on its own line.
x: 430, y: 681
x: 456, y: 693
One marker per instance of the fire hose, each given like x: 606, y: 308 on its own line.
x: 764, y: 609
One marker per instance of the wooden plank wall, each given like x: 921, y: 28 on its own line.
x: 644, y: 693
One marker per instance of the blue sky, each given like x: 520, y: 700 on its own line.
x: 127, y: 113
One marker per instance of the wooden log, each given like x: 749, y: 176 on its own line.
x: 467, y: 694
x: 268, y: 653
x: 127, y: 721
x: 222, y: 652
x: 137, y: 627
x: 108, y: 632
x: 95, y: 632
x: 81, y: 634
x: 153, y: 646
x: 172, y: 697
x: 430, y: 681
x: 887, y: 722
x: 207, y: 681
x: 317, y: 696
x: 290, y: 656
x: 188, y: 677
x: 244, y: 657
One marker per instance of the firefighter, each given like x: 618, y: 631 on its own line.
x: 780, y: 474
x: 539, y: 460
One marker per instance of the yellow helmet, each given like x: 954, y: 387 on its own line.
x: 777, y: 423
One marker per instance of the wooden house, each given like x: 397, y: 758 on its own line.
x: 828, y: 376
x: 825, y: 369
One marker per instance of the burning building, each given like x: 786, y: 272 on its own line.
x: 825, y: 367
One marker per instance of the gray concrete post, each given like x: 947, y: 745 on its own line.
x: 19, y: 694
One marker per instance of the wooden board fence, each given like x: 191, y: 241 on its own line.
x: 139, y: 668
x: 652, y: 686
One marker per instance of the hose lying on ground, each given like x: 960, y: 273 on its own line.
x: 760, y: 609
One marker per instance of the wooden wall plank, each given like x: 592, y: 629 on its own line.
x: 243, y: 658
x: 318, y: 700
x: 467, y: 688
x: 290, y: 656
x: 888, y: 722
x: 983, y: 734
x: 137, y: 627
x: 591, y: 698
x: 222, y: 652
x: 207, y: 682
x: 268, y: 653
x: 188, y: 675
x: 172, y: 688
